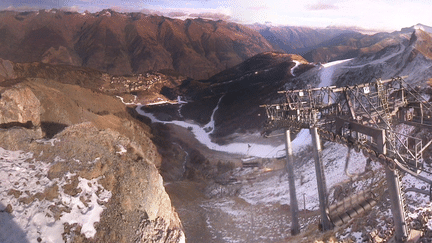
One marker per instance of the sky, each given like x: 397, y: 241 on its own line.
x: 383, y: 15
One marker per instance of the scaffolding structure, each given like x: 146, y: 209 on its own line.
x: 363, y: 117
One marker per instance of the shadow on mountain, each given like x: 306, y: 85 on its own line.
x: 238, y: 92
x: 52, y: 128
x: 9, y: 230
x: 8, y: 125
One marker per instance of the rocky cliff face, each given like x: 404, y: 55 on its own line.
x: 122, y: 44
x: 78, y: 168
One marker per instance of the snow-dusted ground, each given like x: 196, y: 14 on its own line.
x: 257, y: 214
x: 383, y: 59
x: 35, y: 220
x: 276, y: 190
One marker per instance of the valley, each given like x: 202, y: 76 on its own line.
x: 250, y: 203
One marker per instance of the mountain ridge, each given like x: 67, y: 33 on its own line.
x: 127, y: 43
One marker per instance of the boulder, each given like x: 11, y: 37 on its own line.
x: 19, y: 107
x: 6, y: 70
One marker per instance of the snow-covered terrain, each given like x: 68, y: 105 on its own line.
x: 326, y: 73
x: 334, y: 156
x: 31, y: 209
x: 393, y: 61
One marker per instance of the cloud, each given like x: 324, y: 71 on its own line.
x: 70, y: 8
x: 213, y: 16
x: 176, y: 14
x: 21, y: 8
x: 321, y: 6
x: 151, y: 12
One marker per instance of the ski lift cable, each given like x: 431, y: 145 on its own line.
x: 249, y: 148
x: 274, y: 148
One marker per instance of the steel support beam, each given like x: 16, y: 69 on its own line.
x: 394, y: 189
x: 401, y: 229
x: 377, y: 134
x: 295, y: 226
x: 321, y: 181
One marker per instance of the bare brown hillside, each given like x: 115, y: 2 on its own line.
x: 127, y: 43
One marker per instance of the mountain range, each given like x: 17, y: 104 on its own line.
x: 126, y: 43
x: 331, y: 44
x: 225, y: 59
x: 243, y: 88
x: 132, y: 43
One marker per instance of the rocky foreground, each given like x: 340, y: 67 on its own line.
x: 76, y: 167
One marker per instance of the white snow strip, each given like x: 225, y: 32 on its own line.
x: 48, y: 141
x: 257, y: 150
x: 381, y: 60
x: 297, y: 63
x: 326, y: 73
x: 160, y: 102
x: 127, y: 103
x: 209, y: 127
x: 180, y: 101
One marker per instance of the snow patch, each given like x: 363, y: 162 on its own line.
x: 44, y: 218
x: 122, y: 149
x: 48, y: 141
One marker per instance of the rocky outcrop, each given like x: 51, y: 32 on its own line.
x: 6, y: 70
x: 19, y: 106
x: 97, y: 161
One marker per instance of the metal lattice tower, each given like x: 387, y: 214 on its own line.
x: 363, y: 117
